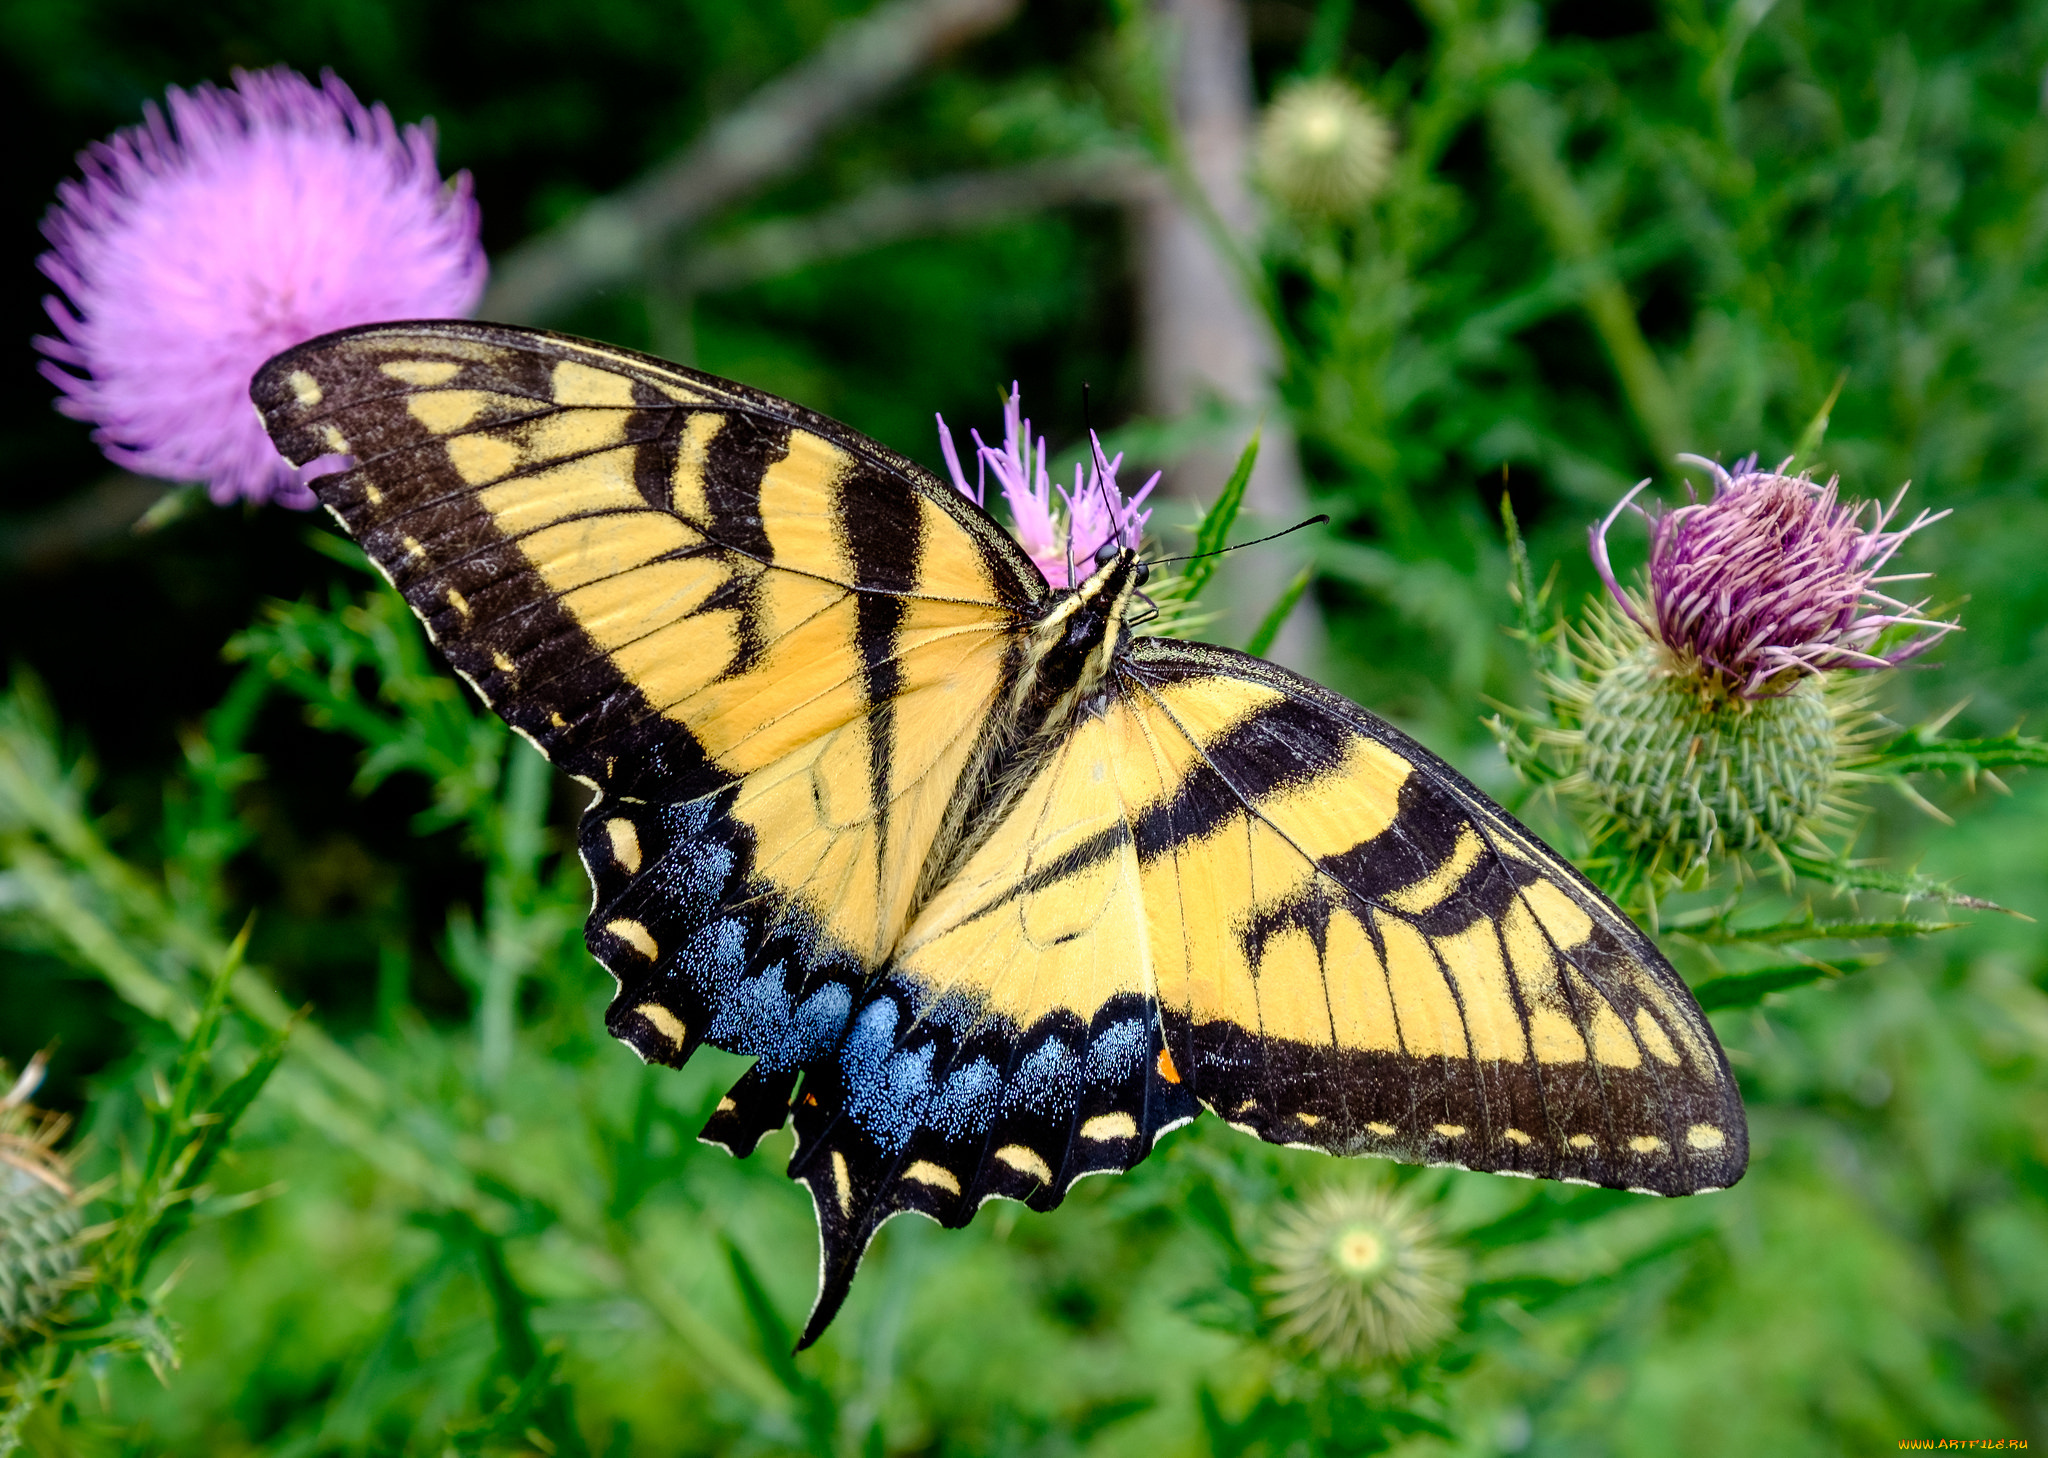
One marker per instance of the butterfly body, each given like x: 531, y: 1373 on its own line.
x: 1070, y: 651
x: 994, y: 891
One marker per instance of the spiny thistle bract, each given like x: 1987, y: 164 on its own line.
x: 40, y: 1215
x: 1715, y: 716
x: 1685, y: 773
x: 1323, y: 150
x: 1357, y: 1272
x: 1714, y: 773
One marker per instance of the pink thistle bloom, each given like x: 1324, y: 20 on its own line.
x: 1061, y: 538
x: 1773, y: 579
x: 202, y: 242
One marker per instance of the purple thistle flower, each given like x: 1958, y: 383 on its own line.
x: 202, y: 242
x: 1062, y: 542
x: 1773, y: 577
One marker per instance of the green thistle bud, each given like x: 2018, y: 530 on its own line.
x: 1323, y: 150
x: 1357, y: 1272
x: 1696, y: 772
x: 40, y: 1215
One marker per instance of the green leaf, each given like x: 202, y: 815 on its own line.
x: 772, y: 1335
x: 198, y: 1050
x: 511, y: 1308
x: 1206, y: 1208
x: 817, y: 1410
x: 1848, y: 876
x: 1549, y: 1209
x: 226, y: 1109
x: 188, y: 1138
x: 1747, y: 989
x: 1918, y: 751
x: 1276, y: 617
x: 1326, y: 37
x: 1810, y: 929
x: 1214, y: 532
x: 1521, y: 576
x: 333, y: 545
x: 1538, y: 626
x: 1817, y: 428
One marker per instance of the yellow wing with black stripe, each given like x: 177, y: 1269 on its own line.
x: 693, y: 597
x: 1232, y: 889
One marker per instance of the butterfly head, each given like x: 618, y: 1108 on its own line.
x: 1104, y: 597
x: 1074, y: 644
x: 1114, y: 548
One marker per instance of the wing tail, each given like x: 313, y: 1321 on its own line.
x: 755, y: 1107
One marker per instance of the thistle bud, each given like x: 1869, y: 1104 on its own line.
x: 1323, y: 150
x: 1714, y: 711
x: 1357, y: 1273
x: 1703, y: 773
x: 40, y: 1215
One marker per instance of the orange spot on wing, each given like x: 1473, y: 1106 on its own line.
x: 1166, y: 1069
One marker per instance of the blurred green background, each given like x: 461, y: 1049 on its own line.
x: 1613, y: 231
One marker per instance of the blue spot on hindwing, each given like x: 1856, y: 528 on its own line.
x: 818, y: 1023
x: 870, y: 1043
x: 756, y: 1019
x: 969, y: 1101
x: 886, y: 1090
x: 697, y: 866
x: 1117, y: 1052
x: 753, y: 1014
x: 715, y: 957
x: 1047, y: 1082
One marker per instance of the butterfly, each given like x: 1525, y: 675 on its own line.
x: 995, y: 892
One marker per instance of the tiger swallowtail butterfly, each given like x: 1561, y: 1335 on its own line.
x: 994, y: 892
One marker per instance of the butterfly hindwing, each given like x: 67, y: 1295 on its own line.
x: 1014, y: 1046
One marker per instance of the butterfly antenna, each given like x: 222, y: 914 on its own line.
x: 1116, y: 520
x: 1255, y: 541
